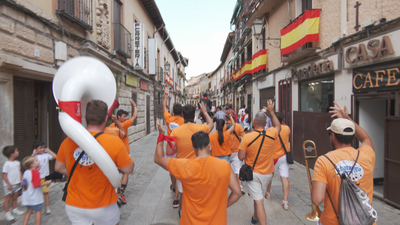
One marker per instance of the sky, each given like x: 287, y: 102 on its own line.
x: 198, y: 29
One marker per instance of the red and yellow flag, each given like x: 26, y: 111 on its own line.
x: 257, y: 63
x: 304, y: 29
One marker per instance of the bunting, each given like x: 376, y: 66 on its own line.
x: 258, y: 62
x: 304, y: 29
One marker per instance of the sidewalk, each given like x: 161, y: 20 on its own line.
x: 150, y: 200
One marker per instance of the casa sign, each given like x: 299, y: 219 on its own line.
x: 316, y: 68
x: 372, y: 50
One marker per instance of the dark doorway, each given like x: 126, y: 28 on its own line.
x: 147, y: 114
x: 392, y: 161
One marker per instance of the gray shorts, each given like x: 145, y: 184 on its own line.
x: 15, y: 188
x: 256, y: 188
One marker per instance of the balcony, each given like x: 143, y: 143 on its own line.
x: 78, y: 11
x: 122, y: 40
x: 302, y: 52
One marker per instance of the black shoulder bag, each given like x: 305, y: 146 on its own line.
x: 234, y: 132
x: 289, y: 157
x: 73, y: 169
x: 246, y: 171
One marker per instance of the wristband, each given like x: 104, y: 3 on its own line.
x: 160, y: 138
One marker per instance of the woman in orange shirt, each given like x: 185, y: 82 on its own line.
x: 221, y: 140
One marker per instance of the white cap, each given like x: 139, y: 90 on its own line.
x: 342, y: 126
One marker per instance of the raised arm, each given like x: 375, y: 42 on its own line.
x: 159, y: 157
x: 134, y: 115
x: 270, y: 109
x: 360, y: 133
x: 232, y: 128
x: 166, y: 92
x: 209, y: 121
x: 53, y: 155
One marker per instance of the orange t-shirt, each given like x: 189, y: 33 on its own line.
x: 278, y: 149
x: 344, y: 159
x: 89, y: 187
x: 115, y: 132
x: 206, y: 183
x: 265, y: 163
x: 235, y: 142
x: 125, y: 125
x: 220, y: 150
x: 172, y: 121
x: 184, y: 147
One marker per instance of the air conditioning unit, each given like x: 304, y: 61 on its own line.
x: 367, y: 23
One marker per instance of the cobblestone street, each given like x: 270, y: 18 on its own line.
x: 150, y: 200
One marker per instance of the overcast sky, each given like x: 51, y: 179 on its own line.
x: 198, y: 29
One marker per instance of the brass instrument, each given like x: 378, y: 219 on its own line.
x: 315, y: 211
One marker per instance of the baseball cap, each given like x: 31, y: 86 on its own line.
x: 227, y: 108
x: 342, y: 126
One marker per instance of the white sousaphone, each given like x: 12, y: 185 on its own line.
x: 78, y: 81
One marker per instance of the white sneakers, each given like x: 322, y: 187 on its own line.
x: 9, y: 216
x: 48, y: 211
x: 17, y: 212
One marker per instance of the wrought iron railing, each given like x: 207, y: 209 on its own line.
x: 122, y: 40
x: 249, y: 8
x: 308, y: 46
x: 80, y: 11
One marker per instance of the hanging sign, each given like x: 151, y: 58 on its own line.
x: 138, y: 48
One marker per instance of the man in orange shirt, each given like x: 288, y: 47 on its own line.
x: 280, y: 162
x: 325, y: 178
x: 91, y: 198
x: 122, y: 117
x: 262, y: 173
x: 118, y: 131
x: 172, y: 122
x: 206, y: 180
x: 184, y: 133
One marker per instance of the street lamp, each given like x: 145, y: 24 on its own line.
x: 257, y: 27
x: 167, y: 66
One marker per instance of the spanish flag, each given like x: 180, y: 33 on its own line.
x: 304, y: 29
x: 258, y: 62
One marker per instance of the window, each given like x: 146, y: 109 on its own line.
x: 145, y: 58
x: 317, y: 95
x: 249, y: 52
x: 306, y: 5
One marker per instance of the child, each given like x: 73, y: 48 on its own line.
x: 32, y: 196
x: 44, y: 155
x: 11, y: 181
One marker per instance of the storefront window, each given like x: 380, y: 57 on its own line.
x: 317, y: 95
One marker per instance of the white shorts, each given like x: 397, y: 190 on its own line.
x: 282, y: 166
x: 108, y: 215
x: 235, y: 163
x: 179, y: 184
x: 256, y: 188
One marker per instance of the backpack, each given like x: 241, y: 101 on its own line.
x: 354, y: 206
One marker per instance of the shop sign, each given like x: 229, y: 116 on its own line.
x: 144, y: 85
x: 316, y: 68
x: 138, y: 48
x: 381, y: 77
x: 375, y: 49
x: 131, y: 80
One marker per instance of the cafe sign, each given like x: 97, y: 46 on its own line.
x: 325, y: 65
x: 372, y: 50
x: 380, y: 77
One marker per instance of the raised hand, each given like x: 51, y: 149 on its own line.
x: 203, y: 108
x: 132, y: 102
x: 160, y: 127
x: 270, y: 106
x: 166, y: 90
x: 338, y: 111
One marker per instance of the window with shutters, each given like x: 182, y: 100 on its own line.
x: 306, y: 5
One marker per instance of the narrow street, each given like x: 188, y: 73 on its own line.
x: 150, y: 199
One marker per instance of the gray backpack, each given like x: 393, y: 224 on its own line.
x: 354, y: 206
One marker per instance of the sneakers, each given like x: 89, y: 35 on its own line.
x: 17, y: 212
x: 175, y: 203
x: 171, y: 187
x: 267, y: 195
x: 9, y: 217
x: 253, y: 221
x: 285, y: 205
x: 48, y: 211
x: 242, y: 189
x: 121, y: 197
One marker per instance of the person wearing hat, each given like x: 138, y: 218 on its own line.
x: 325, y: 179
x: 122, y: 117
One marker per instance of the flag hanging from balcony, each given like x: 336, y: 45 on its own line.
x: 258, y: 62
x: 304, y: 29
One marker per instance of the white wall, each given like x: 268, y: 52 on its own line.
x: 344, y: 88
x: 372, y: 114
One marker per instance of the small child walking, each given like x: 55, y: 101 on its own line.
x: 11, y: 181
x: 32, y: 196
x: 44, y: 155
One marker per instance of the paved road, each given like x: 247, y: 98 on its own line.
x: 150, y: 200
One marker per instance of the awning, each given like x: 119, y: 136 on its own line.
x: 229, y: 64
x: 235, y: 57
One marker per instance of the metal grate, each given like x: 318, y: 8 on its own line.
x: 79, y: 11
x: 122, y: 40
